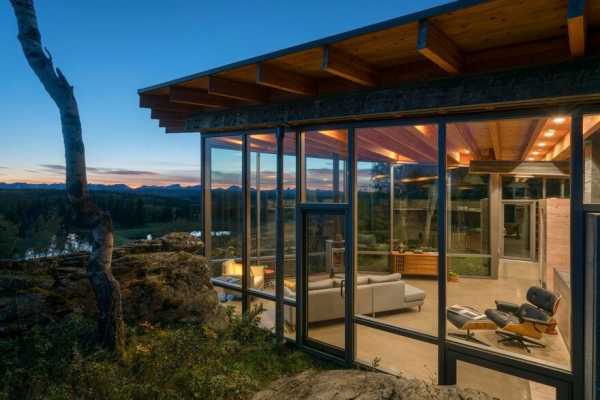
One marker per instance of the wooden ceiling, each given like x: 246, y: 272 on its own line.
x: 458, y: 38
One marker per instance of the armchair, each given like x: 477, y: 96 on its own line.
x: 517, y: 323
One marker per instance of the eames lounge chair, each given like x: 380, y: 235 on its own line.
x: 517, y: 323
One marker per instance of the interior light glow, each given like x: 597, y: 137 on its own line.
x: 559, y: 120
x: 550, y: 133
x: 541, y: 144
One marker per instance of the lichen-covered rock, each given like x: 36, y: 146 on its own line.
x: 162, y: 281
x: 360, y: 385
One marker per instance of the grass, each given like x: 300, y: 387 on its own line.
x: 158, y: 229
x: 187, y: 361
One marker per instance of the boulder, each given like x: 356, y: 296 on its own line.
x: 360, y: 385
x: 162, y: 281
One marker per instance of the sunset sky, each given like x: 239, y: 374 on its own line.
x: 108, y: 50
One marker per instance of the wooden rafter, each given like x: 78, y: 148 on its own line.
x: 348, y: 67
x: 535, y: 129
x: 237, y: 90
x: 403, y: 147
x: 162, y: 103
x: 576, y: 23
x: 197, y: 97
x: 438, y: 48
x: 167, y: 123
x: 288, y: 81
x: 494, y: 129
x: 467, y: 136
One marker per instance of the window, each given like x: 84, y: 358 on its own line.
x: 591, y: 159
x: 263, y: 185
x: 508, y: 236
x: 398, y: 225
x: 226, y: 206
x: 326, y: 157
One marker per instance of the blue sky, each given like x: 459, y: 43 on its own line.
x: 109, y: 49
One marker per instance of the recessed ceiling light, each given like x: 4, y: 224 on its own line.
x: 559, y: 120
x: 541, y: 144
x: 530, y: 158
x: 467, y: 151
x: 535, y: 152
x: 550, y: 133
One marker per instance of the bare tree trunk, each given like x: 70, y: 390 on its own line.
x: 89, y: 216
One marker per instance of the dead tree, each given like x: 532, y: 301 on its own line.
x: 110, y: 331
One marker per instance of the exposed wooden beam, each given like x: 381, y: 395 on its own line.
x: 576, y: 23
x: 162, y: 103
x: 176, y: 129
x: 438, y: 48
x: 237, y: 90
x: 465, y: 133
x: 197, y: 98
x: 494, y: 130
x: 412, y: 149
x: 348, y: 67
x: 556, y: 84
x: 158, y: 114
x: 547, y: 168
x: 288, y: 81
x: 533, y: 133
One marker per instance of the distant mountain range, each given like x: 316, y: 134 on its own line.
x: 168, y: 191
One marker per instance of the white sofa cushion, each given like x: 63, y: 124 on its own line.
x: 323, y: 284
x: 385, y: 278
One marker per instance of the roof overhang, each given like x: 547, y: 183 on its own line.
x: 450, y: 43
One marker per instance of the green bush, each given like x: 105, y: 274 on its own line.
x: 187, y: 361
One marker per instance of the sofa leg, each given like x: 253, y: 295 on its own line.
x: 419, y: 307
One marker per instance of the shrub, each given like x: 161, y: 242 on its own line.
x: 186, y: 361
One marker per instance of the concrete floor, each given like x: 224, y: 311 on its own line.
x: 391, y: 352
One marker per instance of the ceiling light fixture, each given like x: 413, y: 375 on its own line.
x: 550, y: 133
x: 535, y: 152
x: 541, y: 144
x: 559, y: 120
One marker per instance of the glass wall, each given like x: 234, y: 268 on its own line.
x: 508, y: 235
x: 263, y: 174
x: 591, y: 159
x: 500, y: 385
x: 226, y: 203
x: 398, y: 225
x: 507, y: 221
x: 325, y: 163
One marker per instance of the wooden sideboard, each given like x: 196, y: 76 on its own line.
x: 422, y: 264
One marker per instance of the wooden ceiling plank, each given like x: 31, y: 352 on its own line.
x: 535, y: 129
x: 197, y: 98
x: 576, y: 24
x: 237, y: 90
x: 407, y: 148
x: 347, y: 67
x: 438, y: 48
x: 287, y: 81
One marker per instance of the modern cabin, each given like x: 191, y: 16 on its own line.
x: 417, y: 195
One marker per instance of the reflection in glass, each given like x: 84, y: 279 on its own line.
x: 226, y: 208
x: 398, y: 226
x: 325, y: 270
x: 263, y: 176
x: 325, y: 164
x: 508, y: 237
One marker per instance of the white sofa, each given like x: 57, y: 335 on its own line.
x: 234, y: 269
x: 374, y: 293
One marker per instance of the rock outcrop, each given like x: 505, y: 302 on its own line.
x: 360, y: 385
x: 162, y: 281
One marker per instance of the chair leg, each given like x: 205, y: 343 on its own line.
x: 469, y: 336
x: 520, y: 341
